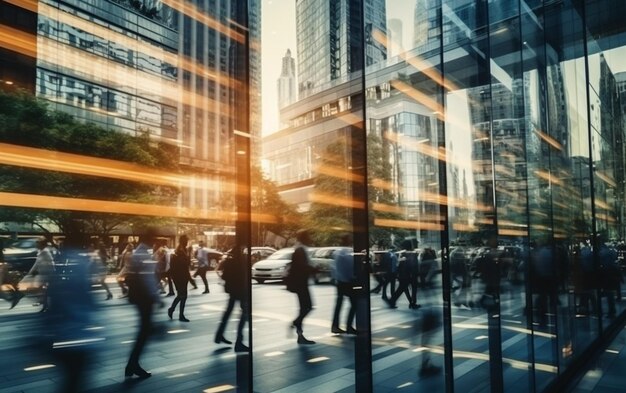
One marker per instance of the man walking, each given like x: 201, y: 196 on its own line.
x: 343, y: 274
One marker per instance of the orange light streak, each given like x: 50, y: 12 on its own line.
x: 548, y: 139
x: 102, y: 206
x: 606, y: 178
x: 419, y: 97
x: 382, y: 207
x: 335, y: 200
x: 420, y: 146
x: 381, y: 222
x: 18, y: 41
x: 339, y: 173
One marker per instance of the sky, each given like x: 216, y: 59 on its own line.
x: 278, y: 33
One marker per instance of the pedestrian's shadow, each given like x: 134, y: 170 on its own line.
x: 129, y: 383
x: 222, y: 350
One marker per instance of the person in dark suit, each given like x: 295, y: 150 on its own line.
x: 235, y: 277
x: 300, y: 271
x: 143, y: 293
x: 179, y: 271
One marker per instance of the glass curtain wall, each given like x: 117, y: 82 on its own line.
x: 436, y: 203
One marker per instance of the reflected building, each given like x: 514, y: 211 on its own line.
x: 328, y: 50
x: 153, y: 70
x: 286, y: 83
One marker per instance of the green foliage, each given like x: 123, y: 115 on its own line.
x: 267, y: 202
x: 26, y: 121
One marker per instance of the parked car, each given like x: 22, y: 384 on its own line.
x: 323, y: 259
x: 21, y: 254
x: 273, y: 267
x: 261, y: 253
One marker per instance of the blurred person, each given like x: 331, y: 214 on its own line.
x: 202, y: 255
x: 407, y: 275
x: 430, y: 315
x: 124, y: 264
x: 39, y: 275
x: 610, y: 273
x: 143, y: 293
x: 234, y: 276
x: 298, y: 281
x: 161, y: 271
x: 71, y: 314
x: 99, y: 258
x: 461, y: 278
x: 343, y: 274
x: 179, y: 271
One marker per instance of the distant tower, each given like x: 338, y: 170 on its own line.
x: 394, y: 37
x: 287, y: 81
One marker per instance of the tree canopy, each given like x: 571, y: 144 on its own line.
x: 27, y: 121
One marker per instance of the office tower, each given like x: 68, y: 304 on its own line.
x: 287, y: 81
x: 329, y: 44
x: 394, y: 38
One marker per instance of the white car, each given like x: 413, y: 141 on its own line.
x: 273, y: 267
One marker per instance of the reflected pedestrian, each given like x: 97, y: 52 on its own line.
x: 142, y: 292
x: 202, y: 255
x: 407, y: 275
x: 298, y: 282
x: 71, y: 315
x: 234, y: 276
x: 40, y: 274
x: 343, y: 274
x: 123, y: 265
x: 179, y: 270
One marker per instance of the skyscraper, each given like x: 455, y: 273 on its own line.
x: 394, y: 37
x: 287, y: 81
x: 329, y: 44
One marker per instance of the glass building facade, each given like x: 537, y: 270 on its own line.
x: 470, y: 158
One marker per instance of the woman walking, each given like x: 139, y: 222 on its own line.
x: 179, y: 270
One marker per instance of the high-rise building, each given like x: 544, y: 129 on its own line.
x: 394, y: 37
x: 329, y: 48
x: 287, y: 81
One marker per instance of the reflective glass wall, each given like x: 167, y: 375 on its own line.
x: 343, y: 196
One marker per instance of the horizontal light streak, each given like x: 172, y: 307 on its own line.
x: 40, y: 367
x: 218, y: 389
x: 512, y: 232
x: 275, y: 353
x: 18, y: 41
x: 602, y: 204
x: 383, y: 184
x: 177, y: 331
x: 30, y: 157
x: 545, y: 175
x: 330, y: 199
x: 464, y: 227
x: 419, y: 146
x: 382, y: 207
x: 131, y: 208
x: 339, y: 173
x: 76, y: 343
x: 419, y: 97
x: 382, y: 222
x: 549, y: 140
x: 318, y: 359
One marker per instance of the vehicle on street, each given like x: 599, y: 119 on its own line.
x: 274, y: 266
x: 21, y: 254
x: 323, y: 259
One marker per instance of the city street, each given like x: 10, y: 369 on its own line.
x: 183, y: 357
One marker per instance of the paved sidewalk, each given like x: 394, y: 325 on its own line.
x: 608, y: 374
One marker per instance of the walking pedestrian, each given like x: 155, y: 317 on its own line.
x: 179, y: 270
x: 343, y: 274
x: 202, y: 255
x: 299, y: 272
x: 234, y: 276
